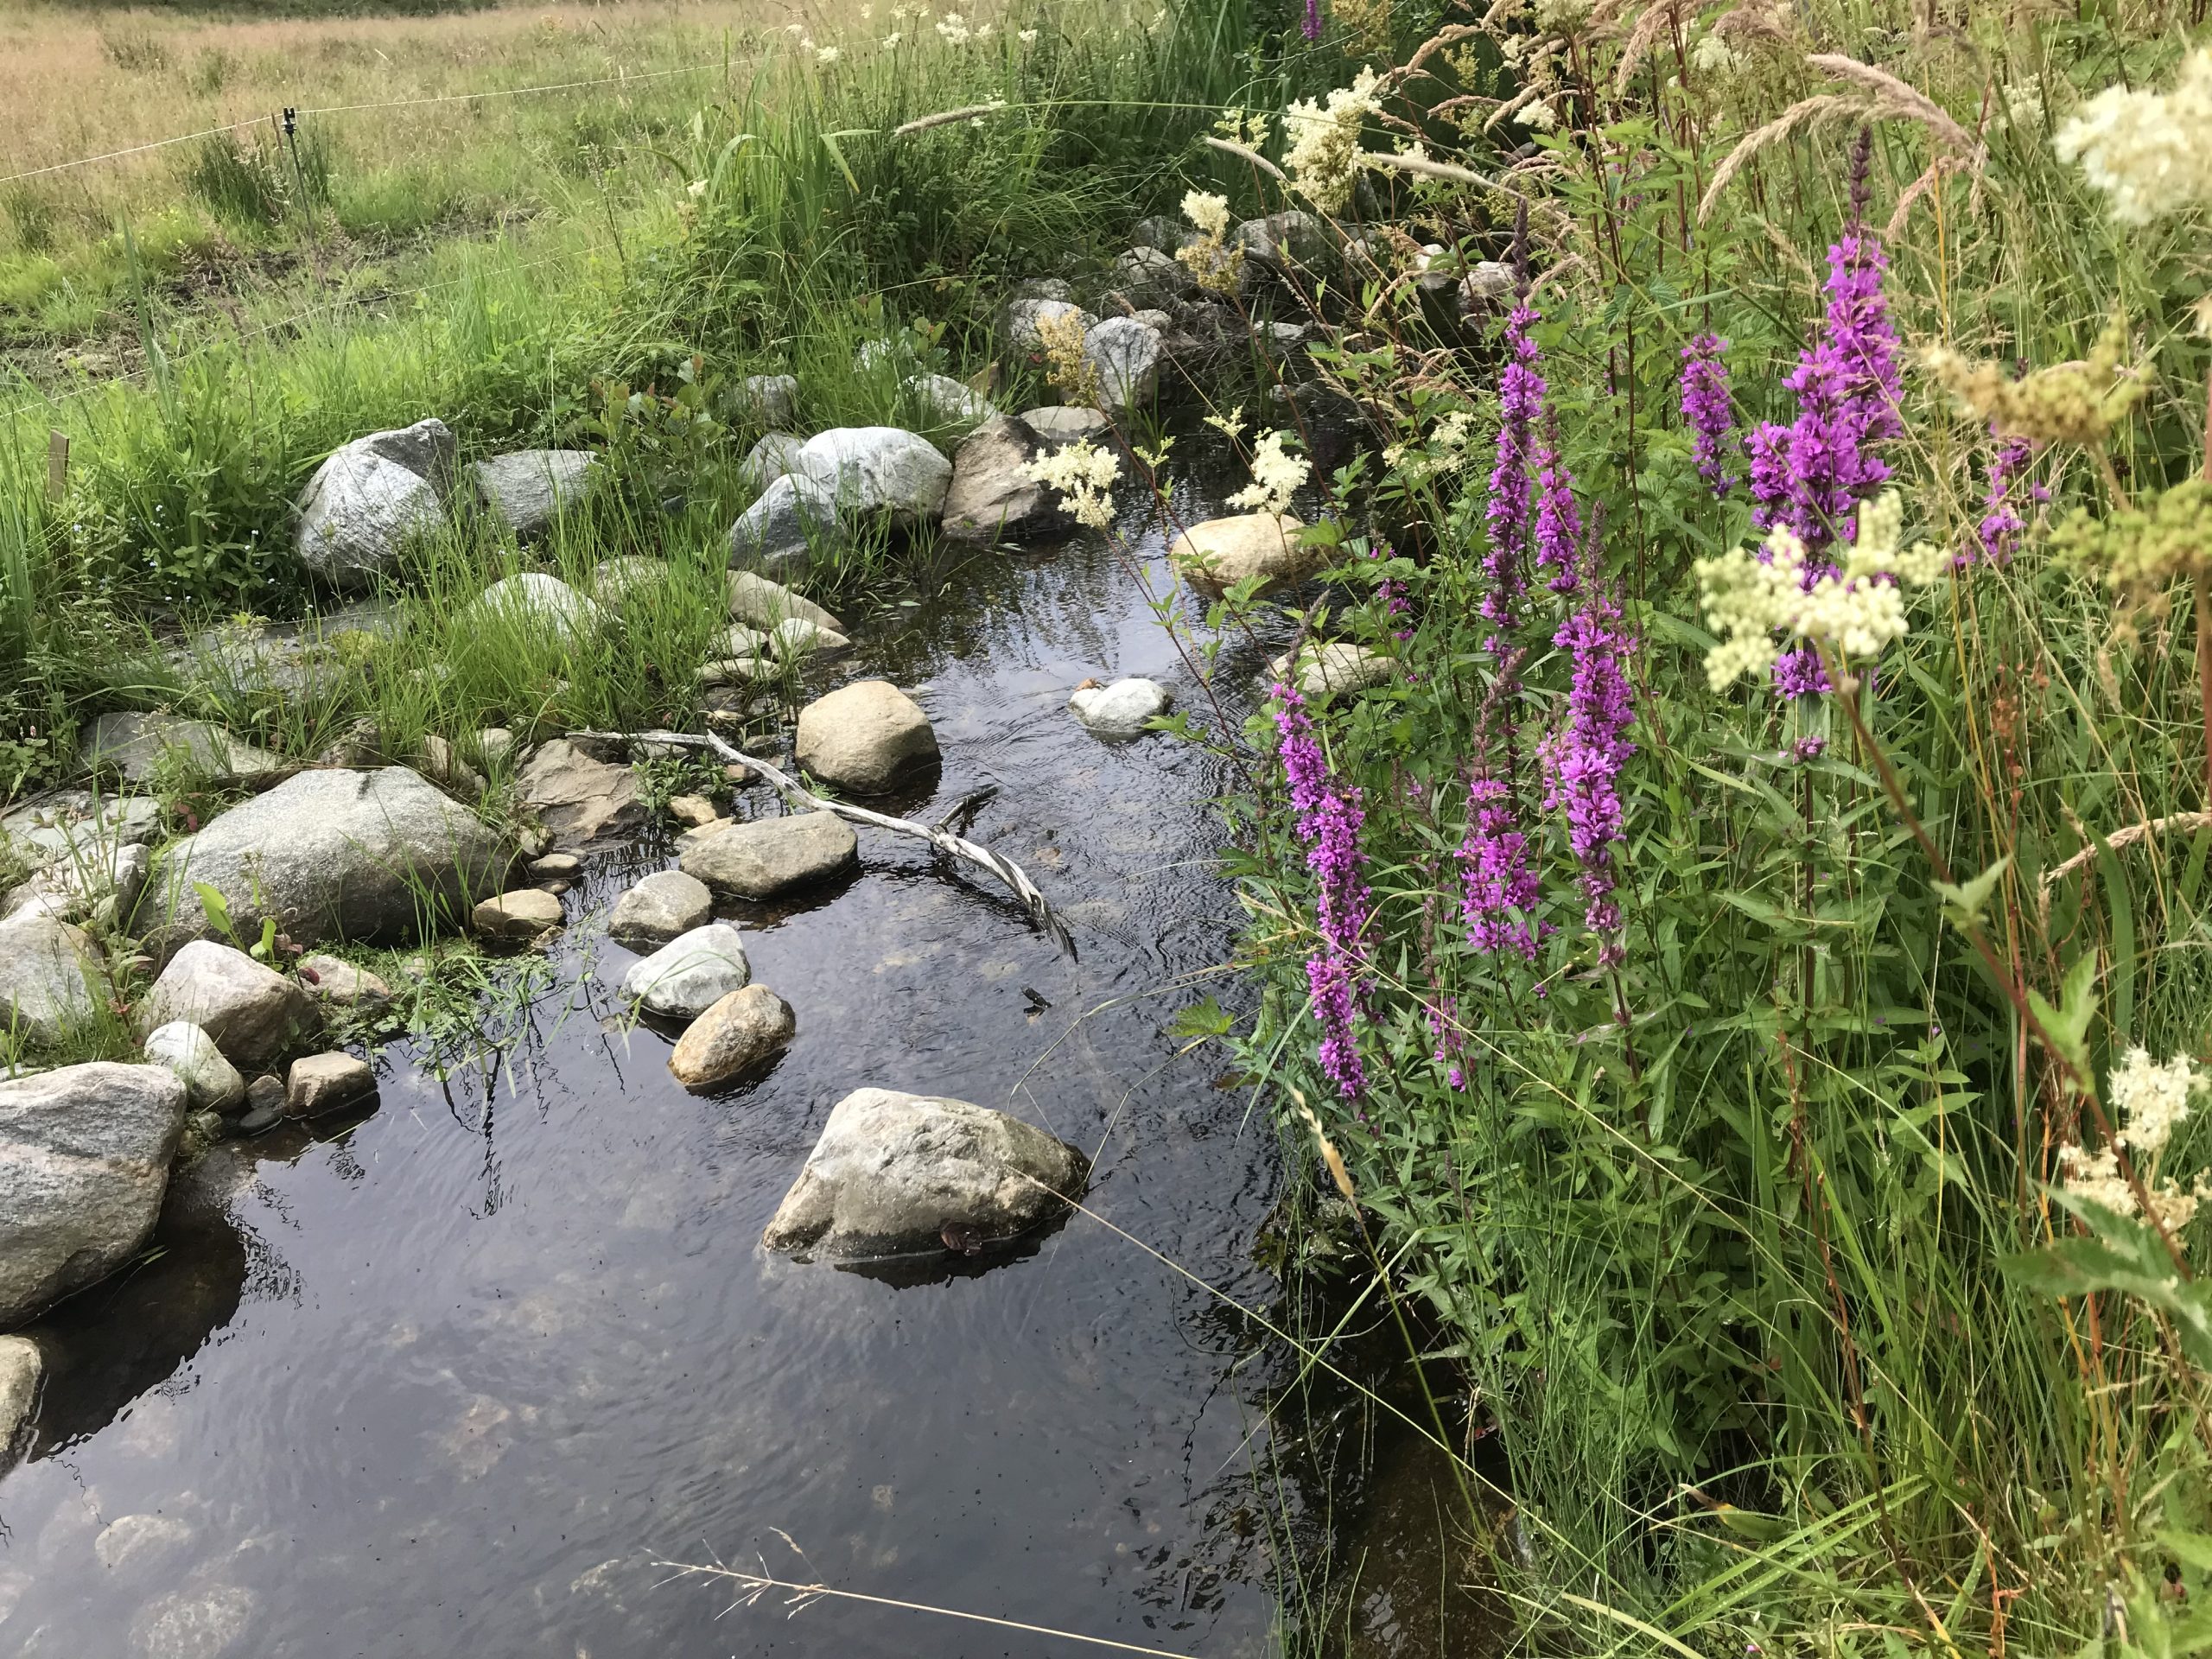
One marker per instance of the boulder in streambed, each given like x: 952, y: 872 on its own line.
x: 84, y: 1157
x: 794, y: 518
x: 755, y: 600
x: 370, y: 499
x: 48, y: 970
x: 1126, y: 355
x: 535, y: 604
x: 577, y: 797
x: 879, y: 470
x: 892, y: 1171
x: 23, y: 1367
x: 1152, y: 277
x: 1291, y: 244
x: 142, y: 747
x: 690, y: 973
x: 993, y: 497
x: 664, y: 905
x: 329, y: 855
x: 1120, y: 709
x: 770, y: 856
x: 946, y: 401
x: 522, y: 917
x: 1217, y: 555
x: 528, y: 490
x: 769, y: 459
x: 211, y: 1083
x: 1336, y: 665
x: 868, y: 737
x: 1056, y: 425
x: 253, y: 1013
x: 327, y: 1082
x: 741, y: 1032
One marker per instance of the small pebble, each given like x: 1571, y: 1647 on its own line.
x: 262, y: 1119
x: 557, y: 867
x: 694, y: 810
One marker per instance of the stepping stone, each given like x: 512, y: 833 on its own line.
x: 516, y: 918
x: 659, y: 908
x: 774, y: 856
x: 868, y: 737
x: 690, y: 973
x: 740, y: 1034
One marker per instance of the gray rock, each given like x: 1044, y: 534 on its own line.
x: 993, y: 497
x: 536, y: 603
x: 1018, y: 323
x: 579, y: 798
x: 665, y: 904
x: 770, y: 459
x: 197, y: 1623
x: 369, y: 500
x: 1152, y: 277
x: 23, y: 1367
x: 795, y: 637
x: 71, y: 825
x: 253, y: 1013
x: 879, y: 470
x: 1291, y: 242
x: 1056, y: 424
x: 761, y: 603
x: 690, y: 973
x: 325, y: 1083
x: 616, y: 581
x: 211, y: 1083
x: 739, y: 640
x: 773, y: 856
x: 51, y: 979
x: 331, y: 855
x: 1339, y: 665
x: 868, y: 737
x: 142, y: 1538
x: 1041, y: 288
x: 519, y: 918
x: 1120, y: 709
x: 528, y: 490
x: 946, y: 401
x: 1217, y: 555
x: 142, y: 747
x: 85, y: 1156
x: 1164, y: 232
x: 101, y: 882
x: 765, y: 400
x: 892, y: 1171
x: 795, y: 518
x: 1126, y: 355
x: 741, y: 1032
x: 340, y: 984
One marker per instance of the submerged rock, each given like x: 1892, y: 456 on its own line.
x: 740, y: 1034
x: 879, y: 470
x: 369, y: 500
x: 993, y: 497
x: 773, y: 856
x: 690, y: 973
x: 755, y: 600
x: 329, y: 855
x: 795, y: 518
x: 211, y: 1082
x: 48, y: 971
x: 23, y: 1367
x: 528, y: 490
x: 1218, y: 554
x: 253, y: 1013
x: 892, y: 1171
x: 868, y: 737
x: 579, y: 798
x: 1120, y: 709
x: 85, y: 1156
x: 664, y: 905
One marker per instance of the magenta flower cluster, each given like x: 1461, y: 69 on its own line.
x: 1327, y: 817
x: 1998, y: 533
x: 1521, y: 395
x: 1705, y: 410
x: 1310, y: 25
x: 1497, y: 873
x: 1583, y: 756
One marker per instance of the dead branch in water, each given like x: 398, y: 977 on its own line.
x: 1016, y: 879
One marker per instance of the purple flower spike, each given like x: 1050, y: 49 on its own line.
x: 1998, y: 532
x: 1310, y: 25
x: 1582, y: 758
x: 1521, y: 393
x: 1559, y: 524
x: 1705, y: 410
x: 1328, y: 817
x: 1498, y: 878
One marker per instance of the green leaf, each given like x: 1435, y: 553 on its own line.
x: 1963, y: 904
x: 1200, y: 1020
x: 2120, y: 1253
x: 218, y: 909
x: 2068, y: 1025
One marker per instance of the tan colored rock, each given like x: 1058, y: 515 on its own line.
x: 253, y: 1013
x: 740, y: 1034
x: 518, y: 917
x: 323, y: 1082
x: 665, y: 904
x: 754, y: 599
x: 772, y: 856
x: 694, y: 810
x: 578, y: 798
x: 1220, y: 553
x: 1339, y: 666
x: 868, y: 737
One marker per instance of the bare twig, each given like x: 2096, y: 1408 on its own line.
x: 1017, y: 880
x: 1244, y: 154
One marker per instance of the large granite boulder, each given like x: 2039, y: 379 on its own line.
x: 330, y: 855
x: 577, y: 797
x: 530, y: 489
x: 85, y: 1156
x: 795, y: 518
x: 893, y: 1173
x: 868, y: 737
x: 1125, y: 353
x: 880, y: 469
x: 370, y: 499
x: 769, y: 459
x: 253, y: 1013
x: 770, y: 856
x: 993, y: 497
x: 48, y: 971
x: 1214, y: 556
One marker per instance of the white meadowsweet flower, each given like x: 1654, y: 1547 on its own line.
x: 1538, y: 117
x: 697, y: 187
x: 1085, y: 477
x: 982, y: 31
x: 1232, y: 425
x: 1324, y: 142
x: 2150, y: 1099
x: 1276, y: 476
x: 891, y: 41
x: 1713, y: 56
x: 954, y: 28
x: 827, y: 54
x: 2149, y: 1102
x: 1209, y: 213
x: 1027, y: 37
x: 2150, y: 153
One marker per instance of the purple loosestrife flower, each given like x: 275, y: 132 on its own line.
x: 1799, y: 673
x: 1559, y: 525
x: 1705, y: 410
x: 1998, y: 532
x: 1582, y: 758
x: 1328, y: 817
x: 1310, y: 25
x: 1498, y: 878
x: 1521, y: 393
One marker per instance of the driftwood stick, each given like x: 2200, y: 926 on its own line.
x: 1017, y: 880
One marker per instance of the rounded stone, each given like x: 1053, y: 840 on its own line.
x: 211, y: 1083
x: 690, y: 973
x: 868, y: 737
x: 772, y: 856
x: 740, y: 1034
x: 520, y: 916
x: 1120, y: 709
x: 1216, y: 556
x: 253, y: 1013
x: 324, y: 1082
x: 664, y: 905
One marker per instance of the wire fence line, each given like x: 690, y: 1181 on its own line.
x: 624, y: 79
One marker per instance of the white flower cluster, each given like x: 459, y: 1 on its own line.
x: 1713, y: 56
x: 1276, y: 476
x: 1323, y: 146
x: 2150, y: 153
x: 1859, y: 609
x: 954, y: 28
x: 1446, y: 451
x: 1085, y: 477
x: 2150, y: 1101
x: 1210, y: 214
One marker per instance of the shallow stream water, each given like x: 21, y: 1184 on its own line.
x: 455, y: 1377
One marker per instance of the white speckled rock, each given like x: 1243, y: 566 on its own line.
x: 537, y: 603
x: 369, y: 500
x: 664, y: 905
x: 1126, y: 354
x: 528, y: 490
x: 1120, y: 709
x: 690, y: 973
x: 1339, y: 666
x: 48, y: 970
x: 794, y: 519
x: 880, y: 469
x: 211, y: 1083
x: 948, y: 402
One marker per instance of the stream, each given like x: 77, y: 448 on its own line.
x: 457, y: 1376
